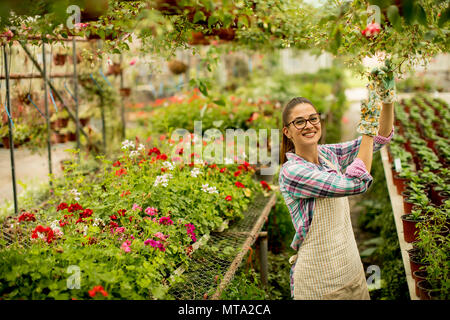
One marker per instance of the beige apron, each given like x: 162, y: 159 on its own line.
x: 327, y: 264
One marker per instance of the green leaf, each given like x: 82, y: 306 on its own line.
x: 445, y: 17
x: 199, y: 16
x: 394, y: 17
x: 202, y: 88
x: 368, y: 252
x: 242, y: 21
x: 408, y: 11
x: 220, y: 102
x: 211, y: 21
x: 421, y: 15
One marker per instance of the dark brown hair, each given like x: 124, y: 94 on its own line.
x: 286, y: 144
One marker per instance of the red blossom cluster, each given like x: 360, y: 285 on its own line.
x: 239, y: 184
x: 121, y: 172
x: 245, y: 166
x: 155, y: 150
x: 46, y: 231
x: 165, y: 220
x: 265, y: 185
x: 97, y: 289
x: 228, y: 198
x: 371, y: 30
x: 116, y: 164
x: 27, y: 216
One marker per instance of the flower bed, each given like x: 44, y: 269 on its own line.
x: 120, y: 233
x: 420, y: 148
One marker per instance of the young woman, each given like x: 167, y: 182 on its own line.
x: 315, y: 181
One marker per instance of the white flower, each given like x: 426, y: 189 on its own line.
x: 205, y: 187
x: 97, y: 221
x: 228, y: 161
x: 212, y: 190
x: 127, y: 144
x: 168, y: 165
x: 85, y: 230
x: 134, y: 153
x: 195, y: 172
x: 141, y: 147
x: 162, y: 179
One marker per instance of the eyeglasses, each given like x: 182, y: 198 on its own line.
x: 300, y: 123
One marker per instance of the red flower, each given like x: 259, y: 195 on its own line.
x: 237, y: 173
x: 62, y: 206
x: 239, y: 185
x: 180, y: 151
x: 223, y: 170
x: 86, y: 213
x: 213, y: 166
x: 122, y: 212
x: 371, y: 29
x: 265, y: 185
x: 43, y: 230
x: 97, y: 289
x: 154, y: 150
x: 113, y: 224
x: 74, y: 207
x: 163, y: 169
x: 162, y: 137
x: 116, y: 164
x: 26, y: 216
x: 113, y: 217
x: 125, y: 193
x: 228, y: 198
x: 80, y: 220
x: 161, y: 157
x: 121, y: 172
x: 62, y: 223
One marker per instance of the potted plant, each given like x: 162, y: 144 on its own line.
x: 85, y: 113
x: 59, y: 59
x: 410, y: 224
x: 177, y: 67
x: 60, y: 119
x: 125, y: 92
x: 71, y: 131
x: 114, y: 69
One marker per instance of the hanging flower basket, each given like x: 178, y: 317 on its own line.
x: 59, y: 59
x: 114, y: 69
x: 177, y: 67
x: 227, y: 34
x: 93, y: 9
x: 198, y: 38
x: 125, y: 92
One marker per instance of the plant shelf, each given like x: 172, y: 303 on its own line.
x: 397, y: 210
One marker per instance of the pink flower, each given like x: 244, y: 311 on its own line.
x: 155, y: 244
x: 165, y: 221
x: 151, y: 211
x: 120, y: 229
x: 161, y: 236
x: 126, y: 246
x: 136, y: 207
x: 133, y: 62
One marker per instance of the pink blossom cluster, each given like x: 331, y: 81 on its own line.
x: 155, y: 244
x: 190, y: 230
x: 165, y: 220
x: 136, y: 207
x: 161, y: 236
x: 126, y: 246
x: 151, y: 211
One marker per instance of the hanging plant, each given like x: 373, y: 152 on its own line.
x: 177, y: 67
x: 125, y: 92
x: 227, y: 34
x: 59, y: 59
x: 114, y: 69
x: 198, y: 38
x: 93, y: 10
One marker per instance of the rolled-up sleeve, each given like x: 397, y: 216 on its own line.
x: 303, y: 182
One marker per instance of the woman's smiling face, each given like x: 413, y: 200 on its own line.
x: 311, y: 133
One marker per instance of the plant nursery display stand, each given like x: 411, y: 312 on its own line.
x: 397, y: 210
x: 216, y: 260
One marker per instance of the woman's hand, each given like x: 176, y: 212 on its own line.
x: 370, y: 112
x: 384, y: 81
